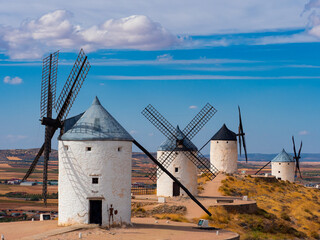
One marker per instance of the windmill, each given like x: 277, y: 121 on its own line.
x: 224, y: 148
x: 196, y: 124
x: 297, y: 158
x: 62, y: 105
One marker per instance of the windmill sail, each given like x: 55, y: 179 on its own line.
x: 63, y: 105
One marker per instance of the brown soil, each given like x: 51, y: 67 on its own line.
x: 143, y: 229
x: 18, y: 230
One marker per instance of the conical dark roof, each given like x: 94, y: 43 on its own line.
x: 225, y: 134
x: 168, y: 144
x: 97, y: 124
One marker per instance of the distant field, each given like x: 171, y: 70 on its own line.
x: 9, y: 203
x: 28, y: 189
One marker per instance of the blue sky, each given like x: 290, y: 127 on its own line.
x: 261, y: 56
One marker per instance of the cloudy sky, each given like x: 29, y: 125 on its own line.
x: 176, y: 55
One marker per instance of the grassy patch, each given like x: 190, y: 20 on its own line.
x: 172, y: 217
x: 286, y: 210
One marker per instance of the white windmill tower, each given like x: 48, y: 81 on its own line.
x: 223, y: 148
x: 282, y: 166
x: 181, y: 167
x: 95, y: 170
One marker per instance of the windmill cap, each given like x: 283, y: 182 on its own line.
x: 169, y: 145
x: 283, y: 156
x: 96, y: 124
x: 225, y: 134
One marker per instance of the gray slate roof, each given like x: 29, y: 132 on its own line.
x: 225, y: 134
x: 169, y: 145
x: 96, y: 124
x: 283, y: 156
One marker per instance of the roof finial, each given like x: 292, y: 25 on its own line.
x: 96, y: 101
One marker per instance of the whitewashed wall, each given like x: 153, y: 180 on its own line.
x: 187, y: 175
x: 224, y: 155
x: 77, y: 167
x: 283, y: 170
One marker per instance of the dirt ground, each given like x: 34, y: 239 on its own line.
x: 19, y: 230
x: 142, y: 229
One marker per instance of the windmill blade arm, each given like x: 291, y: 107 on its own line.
x: 34, y: 163
x: 165, y: 159
x: 72, y: 86
x: 200, y: 161
x: 36, y: 159
x: 205, y: 145
x: 171, y: 176
x: 300, y: 173
x: 298, y: 167
x: 294, y: 147
x: 199, y: 121
x: 244, y: 147
x: 49, y: 81
x: 262, y: 168
x: 300, y: 150
x: 240, y: 143
x: 159, y: 122
x: 202, y: 164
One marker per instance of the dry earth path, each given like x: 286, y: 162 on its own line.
x: 143, y: 229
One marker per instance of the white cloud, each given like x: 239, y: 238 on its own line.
x: 303, y: 132
x: 164, y: 57
x: 133, y: 132
x: 200, y: 61
x: 55, y: 30
x: 12, y: 81
x: 193, y: 107
x: 303, y: 37
x: 180, y: 16
x: 313, y: 27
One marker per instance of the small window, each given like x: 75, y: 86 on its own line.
x: 66, y: 147
x: 176, y: 169
x: 288, y: 163
x: 278, y: 171
x: 217, y: 141
x: 88, y: 149
x: 119, y: 149
x: 227, y: 141
x: 279, y: 163
x: 95, y: 180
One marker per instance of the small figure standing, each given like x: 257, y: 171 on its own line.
x: 111, y: 214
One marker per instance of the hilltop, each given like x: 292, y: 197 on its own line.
x: 285, y: 210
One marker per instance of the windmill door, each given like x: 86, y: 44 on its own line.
x: 176, y: 189
x: 95, y: 212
